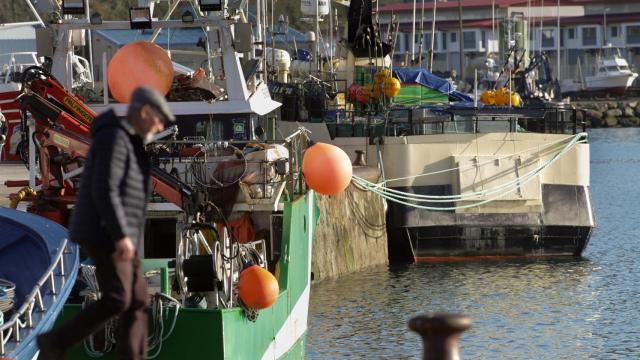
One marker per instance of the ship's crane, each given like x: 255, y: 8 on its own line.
x: 61, y: 134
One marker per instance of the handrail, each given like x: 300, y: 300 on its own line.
x: 15, y: 324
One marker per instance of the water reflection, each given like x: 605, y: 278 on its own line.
x: 573, y: 309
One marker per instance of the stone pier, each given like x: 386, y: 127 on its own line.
x: 596, y: 114
x: 351, y: 233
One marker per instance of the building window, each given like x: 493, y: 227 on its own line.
x: 454, y: 37
x: 614, y: 31
x: 589, y: 36
x: 571, y: 33
x: 633, y: 34
x: 427, y: 41
x: 444, y: 41
x: 548, y: 40
x: 483, y: 40
x: 562, y: 37
x: 469, y: 40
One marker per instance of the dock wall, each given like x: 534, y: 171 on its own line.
x: 351, y: 233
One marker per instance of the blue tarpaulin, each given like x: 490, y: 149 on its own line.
x: 425, y: 78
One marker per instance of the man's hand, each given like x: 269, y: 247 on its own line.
x: 124, y: 249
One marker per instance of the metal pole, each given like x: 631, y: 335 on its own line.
x: 493, y: 20
x: 461, y: 40
x: 605, y: 27
x: 421, y: 34
x: 413, y: 34
x: 433, y: 36
x: 318, y: 36
x: 541, y: 25
x: 558, y: 39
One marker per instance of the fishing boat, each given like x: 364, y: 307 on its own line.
x: 228, y: 196
x: 38, y: 271
x: 463, y: 180
x: 613, y: 73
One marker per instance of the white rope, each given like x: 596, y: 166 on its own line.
x: 158, y: 337
x: 509, y: 185
x: 410, y: 199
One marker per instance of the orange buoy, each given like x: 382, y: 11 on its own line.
x: 326, y: 168
x: 136, y: 64
x: 488, y: 97
x: 258, y: 287
x: 391, y: 87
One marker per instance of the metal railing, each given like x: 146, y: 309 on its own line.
x: 428, y: 121
x: 23, y: 317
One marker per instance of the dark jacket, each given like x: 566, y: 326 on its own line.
x: 114, y: 188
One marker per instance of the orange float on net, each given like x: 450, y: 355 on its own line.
x: 258, y: 287
x: 136, y: 64
x: 326, y: 168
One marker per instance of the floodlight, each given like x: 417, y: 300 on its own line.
x: 210, y: 5
x: 73, y: 7
x: 140, y: 17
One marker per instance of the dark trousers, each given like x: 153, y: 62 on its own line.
x: 124, y: 293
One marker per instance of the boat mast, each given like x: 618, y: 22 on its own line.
x: 460, y: 40
x: 413, y: 35
x: 558, y: 38
x: 433, y: 36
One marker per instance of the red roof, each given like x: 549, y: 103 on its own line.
x: 453, y: 4
x: 564, y: 21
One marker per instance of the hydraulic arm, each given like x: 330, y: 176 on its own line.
x: 62, y: 136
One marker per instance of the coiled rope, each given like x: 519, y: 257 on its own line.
x: 157, y: 337
x: 7, y: 294
x: 414, y: 200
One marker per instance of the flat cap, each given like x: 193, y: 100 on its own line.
x: 146, y: 95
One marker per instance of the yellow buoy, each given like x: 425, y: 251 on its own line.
x: 502, y: 97
x: 516, y: 100
x: 488, y: 97
x: 381, y: 76
x: 391, y: 87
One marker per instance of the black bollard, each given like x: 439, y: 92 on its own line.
x: 360, y: 159
x: 440, y: 334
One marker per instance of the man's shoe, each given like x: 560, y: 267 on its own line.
x: 48, y: 349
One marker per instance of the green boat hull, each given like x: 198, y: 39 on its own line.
x: 279, y: 331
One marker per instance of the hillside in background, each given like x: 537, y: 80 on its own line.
x: 17, y: 10
x: 14, y: 11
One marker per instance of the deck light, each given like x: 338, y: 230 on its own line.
x: 140, y: 17
x: 210, y: 5
x: 73, y: 7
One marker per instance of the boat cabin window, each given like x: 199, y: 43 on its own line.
x: 624, y: 68
x: 612, y: 68
x: 602, y: 70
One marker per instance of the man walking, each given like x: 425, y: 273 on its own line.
x: 108, y: 221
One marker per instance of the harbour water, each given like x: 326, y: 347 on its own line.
x: 585, y: 308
